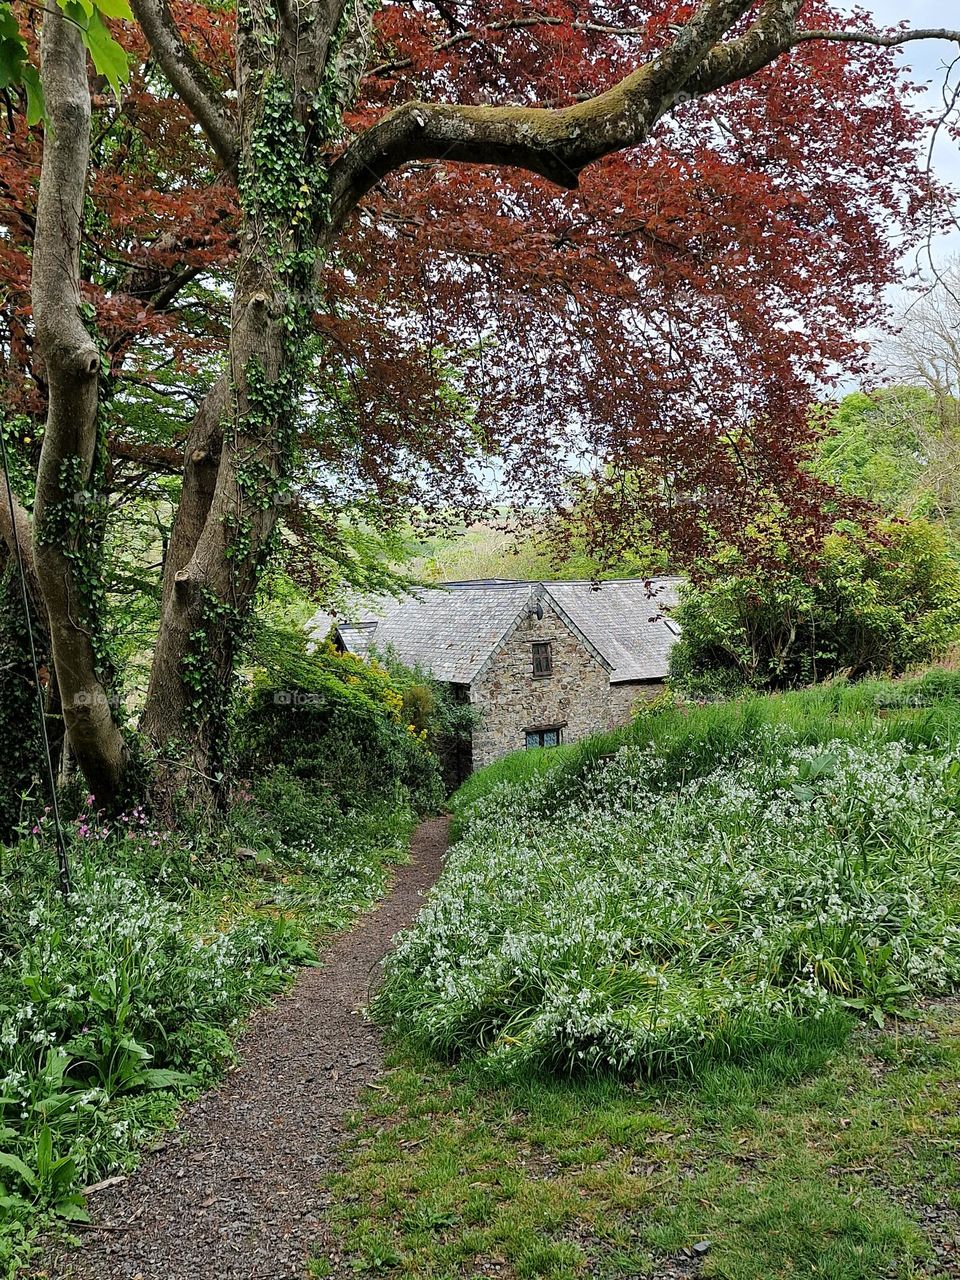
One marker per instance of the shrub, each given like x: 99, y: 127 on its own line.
x: 337, y: 722
x: 443, y: 717
x: 880, y: 605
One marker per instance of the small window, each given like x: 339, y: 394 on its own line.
x: 543, y: 658
x: 544, y: 737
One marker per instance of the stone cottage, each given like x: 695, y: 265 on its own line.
x: 542, y: 662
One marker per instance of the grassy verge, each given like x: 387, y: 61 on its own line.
x: 919, y: 712
x: 826, y: 1156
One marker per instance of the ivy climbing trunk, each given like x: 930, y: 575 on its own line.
x: 69, y: 507
x: 240, y: 457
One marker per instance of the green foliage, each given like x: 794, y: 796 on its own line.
x: 485, y: 551
x: 444, y: 719
x: 337, y: 722
x: 108, y: 57
x: 692, y: 888
x: 116, y: 1004
x: 20, y: 752
x: 897, y: 447
x: 879, y: 604
x: 817, y: 1158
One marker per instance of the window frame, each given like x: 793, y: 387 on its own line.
x: 539, y: 650
x: 540, y: 732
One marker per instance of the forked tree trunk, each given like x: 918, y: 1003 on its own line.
x: 239, y: 459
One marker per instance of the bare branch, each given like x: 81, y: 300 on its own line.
x: 188, y: 78
x: 885, y: 41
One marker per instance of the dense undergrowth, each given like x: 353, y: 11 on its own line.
x: 684, y: 889
x: 120, y: 1001
x: 125, y: 998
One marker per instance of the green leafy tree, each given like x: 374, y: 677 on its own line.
x: 899, y: 448
x: 883, y: 601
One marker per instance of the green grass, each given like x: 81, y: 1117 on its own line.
x: 819, y: 1159
x: 924, y: 711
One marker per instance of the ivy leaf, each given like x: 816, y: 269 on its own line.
x: 108, y: 57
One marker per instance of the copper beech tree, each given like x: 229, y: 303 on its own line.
x: 611, y: 250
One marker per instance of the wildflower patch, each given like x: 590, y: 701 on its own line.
x: 635, y: 922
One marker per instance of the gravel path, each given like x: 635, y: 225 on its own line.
x: 233, y: 1194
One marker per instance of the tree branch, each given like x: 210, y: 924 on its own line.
x: 889, y: 41
x: 16, y: 526
x: 188, y: 78
x: 558, y: 144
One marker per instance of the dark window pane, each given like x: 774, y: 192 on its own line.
x: 551, y: 738
x: 533, y: 740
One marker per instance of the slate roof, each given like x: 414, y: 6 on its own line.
x: 449, y: 631
x: 625, y: 621
x: 453, y: 629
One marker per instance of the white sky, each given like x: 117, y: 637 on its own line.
x: 927, y: 61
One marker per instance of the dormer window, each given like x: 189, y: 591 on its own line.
x: 543, y: 658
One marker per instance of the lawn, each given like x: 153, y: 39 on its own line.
x: 683, y: 1003
x: 832, y: 1156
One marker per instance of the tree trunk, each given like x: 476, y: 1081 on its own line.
x: 240, y: 456
x: 65, y: 514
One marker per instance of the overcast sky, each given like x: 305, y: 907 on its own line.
x: 927, y: 61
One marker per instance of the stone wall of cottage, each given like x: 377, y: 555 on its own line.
x: 511, y: 700
x: 624, y: 697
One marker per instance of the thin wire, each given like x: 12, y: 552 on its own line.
x: 63, y: 861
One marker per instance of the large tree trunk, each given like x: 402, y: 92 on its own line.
x: 64, y: 545
x: 240, y: 455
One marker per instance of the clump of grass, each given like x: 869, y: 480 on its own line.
x: 691, y: 887
x: 824, y: 1155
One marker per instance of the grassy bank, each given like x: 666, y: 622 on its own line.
x: 688, y: 888
x: 694, y: 983
x: 922, y: 712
